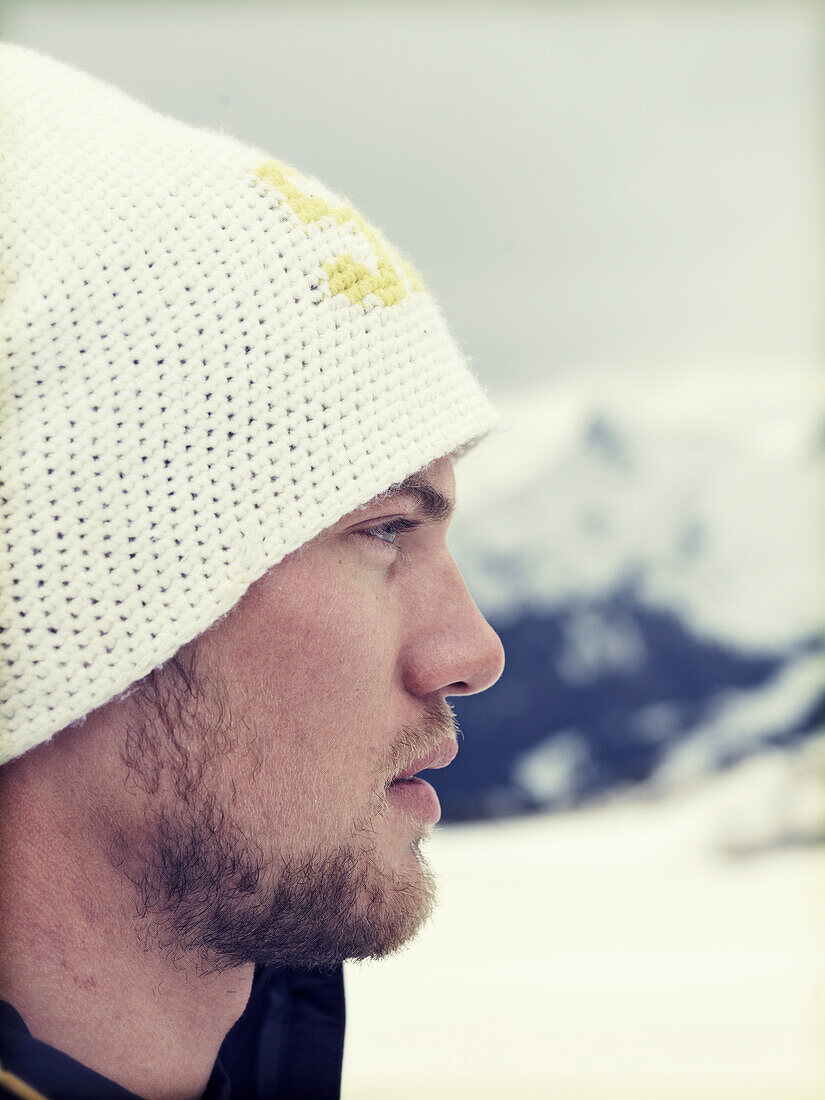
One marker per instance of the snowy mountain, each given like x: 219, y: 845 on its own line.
x: 653, y: 557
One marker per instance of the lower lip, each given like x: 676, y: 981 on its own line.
x: 417, y: 797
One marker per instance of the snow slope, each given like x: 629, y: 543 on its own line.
x: 640, y: 949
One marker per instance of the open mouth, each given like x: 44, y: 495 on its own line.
x: 415, y: 794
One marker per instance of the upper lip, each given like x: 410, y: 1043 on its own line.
x: 439, y: 757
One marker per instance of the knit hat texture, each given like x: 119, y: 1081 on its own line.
x: 208, y: 358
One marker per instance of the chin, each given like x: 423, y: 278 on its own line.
x: 203, y: 888
x: 396, y: 910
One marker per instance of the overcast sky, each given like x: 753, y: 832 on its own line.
x: 610, y: 185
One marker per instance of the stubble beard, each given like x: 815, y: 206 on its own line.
x: 206, y: 891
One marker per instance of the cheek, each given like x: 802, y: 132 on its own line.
x: 315, y: 678
x: 314, y: 656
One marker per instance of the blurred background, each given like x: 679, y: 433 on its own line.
x: 620, y: 207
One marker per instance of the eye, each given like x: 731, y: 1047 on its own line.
x: 389, y: 530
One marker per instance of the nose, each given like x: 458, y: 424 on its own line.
x: 453, y: 649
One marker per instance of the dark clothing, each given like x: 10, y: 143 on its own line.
x: 287, y: 1045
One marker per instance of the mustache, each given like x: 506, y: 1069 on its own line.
x: 437, y: 725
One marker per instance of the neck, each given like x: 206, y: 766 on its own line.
x: 74, y: 961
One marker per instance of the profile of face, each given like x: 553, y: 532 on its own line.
x: 264, y: 812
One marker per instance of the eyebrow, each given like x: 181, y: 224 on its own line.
x: 432, y: 504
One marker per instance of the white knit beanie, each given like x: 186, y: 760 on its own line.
x: 208, y: 358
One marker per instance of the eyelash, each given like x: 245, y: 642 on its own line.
x: 394, y: 527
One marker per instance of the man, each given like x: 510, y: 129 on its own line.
x: 230, y: 620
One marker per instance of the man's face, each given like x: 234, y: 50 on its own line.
x: 262, y: 800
